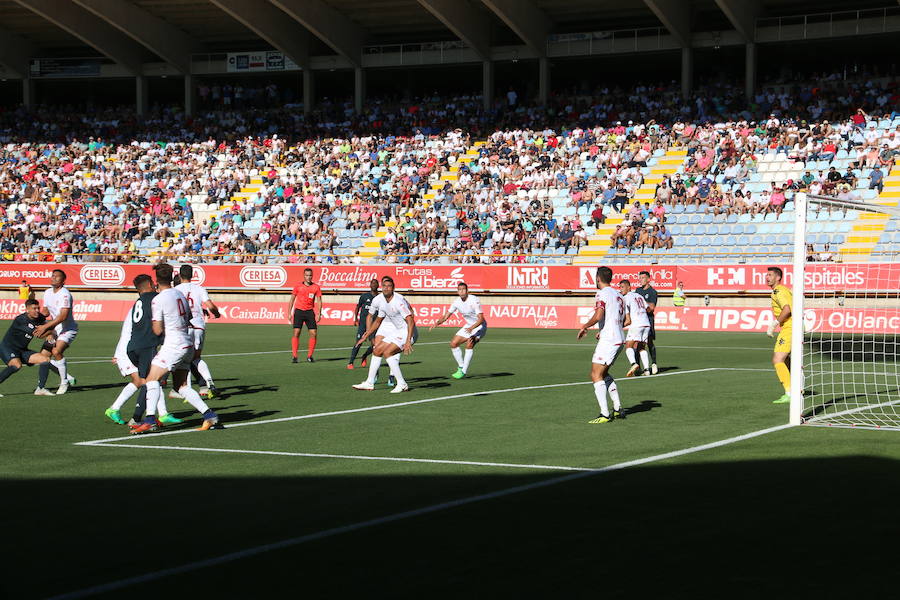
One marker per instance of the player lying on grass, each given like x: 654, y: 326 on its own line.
x: 609, y: 311
x: 171, y: 317
x: 638, y: 331
x: 469, y: 334
x: 394, y: 327
x: 14, y: 347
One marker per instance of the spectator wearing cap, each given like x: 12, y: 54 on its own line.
x: 876, y: 179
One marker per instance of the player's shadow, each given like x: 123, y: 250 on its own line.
x: 241, y: 390
x: 489, y: 375
x: 97, y: 387
x: 644, y: 406
x: 664, y: 369
x: 192, y: 420
x: 428, y: 383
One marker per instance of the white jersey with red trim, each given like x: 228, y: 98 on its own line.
x: 614, y: 318
x: 196, y: 295
x: 637, y: 308
x: 171, y: 307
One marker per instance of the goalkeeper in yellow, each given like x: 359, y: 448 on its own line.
x: 782, y: 299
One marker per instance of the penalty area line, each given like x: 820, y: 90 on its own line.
x: 400, y: 516
x: 400, y: 404
x: 354, y: 457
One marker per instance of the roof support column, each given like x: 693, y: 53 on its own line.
x: 29, y: 93
x: 189, y: 91
x: 543, y: 80
x: 487, y: 84
x: 750, y: 70
x: 309, y: 91
x: 359, y: 89
x: 687, y: 72
x: 142, y: 95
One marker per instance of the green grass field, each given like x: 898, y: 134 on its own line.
x: 310, y: 488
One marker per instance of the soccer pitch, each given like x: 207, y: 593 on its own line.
x: 492, y: 485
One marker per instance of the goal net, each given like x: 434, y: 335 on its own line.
x: 850, y: 301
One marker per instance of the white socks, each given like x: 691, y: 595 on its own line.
x: 467, y: 359
x: 154, y: 395
x: 61, y: 367
x: 193, y: 398
x: 645, y: 359
x: 374, y: 363
x: 394, y: 365
x: 203, y: 369
x: 613, y: 390
x: 124, y: 395
x: 458, y: 356
x: 629, y: 353
x: 600, y: 393
x: 601, y: 388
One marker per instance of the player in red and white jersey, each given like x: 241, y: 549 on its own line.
x: 171, y: 318
x: 609, y: 311
x: 58, y: 306
x: 638, y: 330
x: 199, y: 302
x: 305, y: 307
x: 394, y: 326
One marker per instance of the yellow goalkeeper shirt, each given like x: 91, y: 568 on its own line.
x: 781, y: 297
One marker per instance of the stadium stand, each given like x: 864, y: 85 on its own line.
x: 414, y: 184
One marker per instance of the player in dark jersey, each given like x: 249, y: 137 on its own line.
x: 361, y: 320
x: 136, y: 349
x: 648, y: 293
x: 14, y: 347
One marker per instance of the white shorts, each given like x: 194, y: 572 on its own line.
x: 174, y: 358
x: 199, y: 338
x: 606, y: 352
x: 395, y: 336
x: 477, y: 334
x: 637, y: 334
x: 67, y: 336
x: 126, y: 367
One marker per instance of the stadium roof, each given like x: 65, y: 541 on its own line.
x: 135, y: 32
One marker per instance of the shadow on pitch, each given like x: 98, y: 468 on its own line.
x: 644, y: 406
x: 695, y: 513
x: 241, y: 390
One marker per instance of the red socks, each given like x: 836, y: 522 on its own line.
x: 295, y: 345
x: 312, y: 345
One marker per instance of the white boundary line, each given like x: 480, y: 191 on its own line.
x: 78, y: 360
x: 392, y: 518
x: 658, y: 346
x: 353, y: 457
x: 410, y: 403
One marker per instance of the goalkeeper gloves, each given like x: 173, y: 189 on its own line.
x: 771, y: 330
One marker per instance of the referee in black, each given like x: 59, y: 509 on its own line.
x: 648, y: 293
x: 361, y: 320
x: 14, y: 347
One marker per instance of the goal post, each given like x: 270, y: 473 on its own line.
x: 846, y: 328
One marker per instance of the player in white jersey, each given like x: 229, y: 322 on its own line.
x: 609, y: 311
x: 171, y: 317
x: 638, y: 330
x: 392, y: 322
x: 199, y: 301
x: 469, y: 334
x: 58, y: 305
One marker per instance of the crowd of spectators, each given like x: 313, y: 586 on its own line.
x: 108, y: 186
